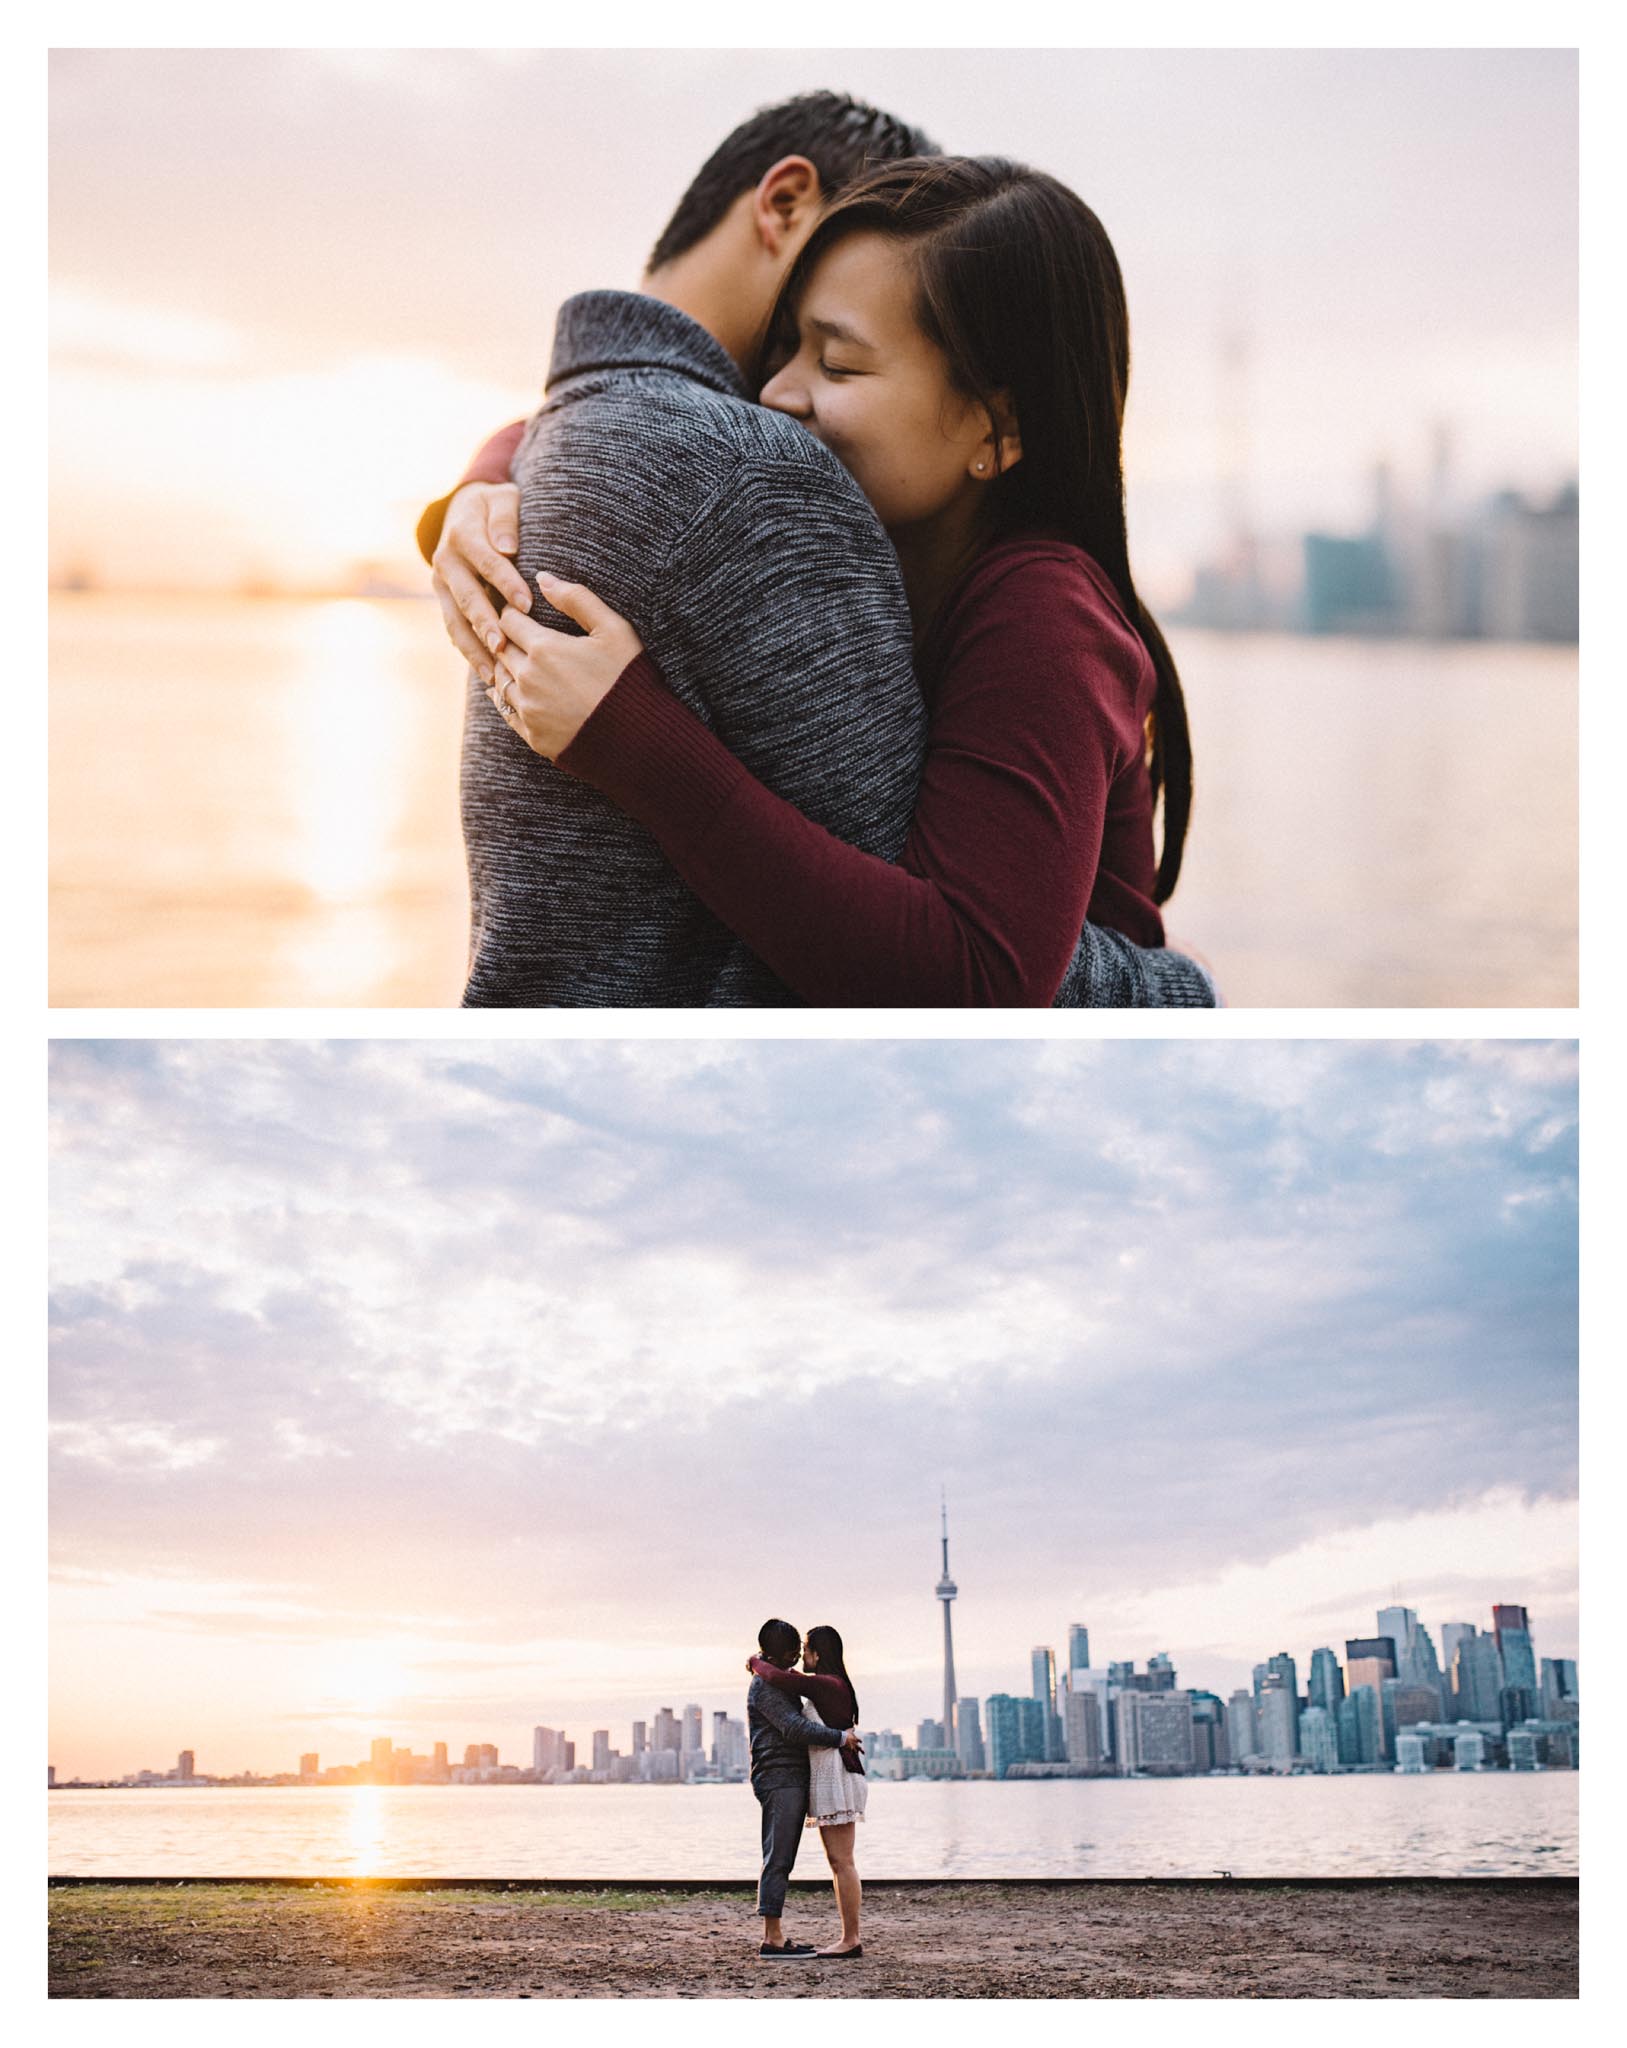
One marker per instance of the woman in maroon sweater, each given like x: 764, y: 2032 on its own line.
x: 955, y: 331
x: 836, y: 1782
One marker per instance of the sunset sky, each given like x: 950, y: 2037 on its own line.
x: 439, y: 1390
x: 293, y: 289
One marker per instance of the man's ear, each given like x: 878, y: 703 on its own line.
x: 788, y: 199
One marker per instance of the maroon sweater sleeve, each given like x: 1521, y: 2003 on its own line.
x: 829, y: 1695
x: 1035, y: 712
x: 490, y: 466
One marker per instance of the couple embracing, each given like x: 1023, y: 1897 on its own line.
x: 807, y: 663
x: 807, y: 1771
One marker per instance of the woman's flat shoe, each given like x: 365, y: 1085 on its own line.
x: 841, y: 1955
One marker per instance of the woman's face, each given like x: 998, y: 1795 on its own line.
x: 868, y: 383
x: 810, y: 1657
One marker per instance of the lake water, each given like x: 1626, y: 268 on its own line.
x: 254, y: 802
x: 1440, y: 1825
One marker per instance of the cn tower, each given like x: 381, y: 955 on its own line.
x: 946, y: 1593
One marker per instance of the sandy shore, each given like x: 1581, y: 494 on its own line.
x: 1407, y: 1939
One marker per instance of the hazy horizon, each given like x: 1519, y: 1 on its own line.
x: 435, y: 1391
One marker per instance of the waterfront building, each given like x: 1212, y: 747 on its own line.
x: 1530, y: 580
x: 1409, y: 1754
x: 1404, y: 1706
x: 186, y: 1766
x: 669, y: 1732
x: 310, y: 1765
x: 1512, y: 1628
x: 1042, y: 1662
x: 1319, y: 1739
x: 1155, y: 1734
x: 1477, y: 1678
x: 379, y: 1755
x: 1082, y: 1729
x: 601, y: 1749
x: 1014, y: 1731
x: 1088, y: 1683
x: 1469, y: 1751
x: 945, y: 1592
x: 1278, y: 1713
x: 1516, y: 1703
x: 546, y: 1750
x: 641, y: 1737
x: 660, y: 1766
x: 440, y: 1760
x: 1210, y: 1750
x: 692, y: 1728
x: 1522, y: 1750
x: 1327, y: 1682
x: 1078, y: 1647
x: 1242, y: 1726
x: 1283, y: 1670
x: 930, y: 1735
x: 1559, y: 1691
x: 1369, y: 1661
x: 969, y: 1735
x: 1361, y: 1727
x: 1452, y: 1634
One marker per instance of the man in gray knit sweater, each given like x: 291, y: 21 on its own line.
x: 745, y: 554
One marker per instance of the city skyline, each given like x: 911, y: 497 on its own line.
x: 1405, y: 1645
x: 397, y: 1387
x: 1346, y: 249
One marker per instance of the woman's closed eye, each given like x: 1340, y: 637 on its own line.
x: 837, y: 370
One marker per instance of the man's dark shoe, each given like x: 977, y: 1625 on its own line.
x: 787, y: 1952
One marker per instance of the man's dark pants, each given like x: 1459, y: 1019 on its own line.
x: 785, y: 1808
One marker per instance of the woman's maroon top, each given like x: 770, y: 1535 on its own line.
x: 1034, y: 811
x: 832, y: 1696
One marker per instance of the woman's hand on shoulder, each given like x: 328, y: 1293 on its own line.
x: 548, y: 684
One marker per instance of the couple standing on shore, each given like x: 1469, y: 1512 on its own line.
x: 807, y: 1770
x: 855, y: 701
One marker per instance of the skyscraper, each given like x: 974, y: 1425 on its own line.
x: 1512, y: 1628
x: 1453, y: 1633
x: 1327, y: 1686
x: 1319, y: 1738
x: 1155, y: 1734
x: 692, y: 1727
x: 1042, y: 1663
x: 968, y: 1735
x: 1477, y: 1678
x: 946, y: 1591
x: 1279, y: 1721
x: 1559, y: 1690
x: 1242, y: 1728
x: 1082, y: 1729
x: 1369, y: 1660
x: 1078, y: 1646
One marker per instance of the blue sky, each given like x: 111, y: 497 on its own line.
x: 448, y: 1388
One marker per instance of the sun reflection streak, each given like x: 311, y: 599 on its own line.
x: 365, y: 1830
x: 348, y: 736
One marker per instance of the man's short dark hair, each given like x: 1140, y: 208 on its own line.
x: 779, y: 1639
x: 838, y: 135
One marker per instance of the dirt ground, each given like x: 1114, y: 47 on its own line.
x: 1410, y: 1939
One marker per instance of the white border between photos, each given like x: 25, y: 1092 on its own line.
x: 26, y: 1024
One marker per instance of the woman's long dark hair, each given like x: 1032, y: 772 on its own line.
x: 828, y: 1644
x: 1021, y: 290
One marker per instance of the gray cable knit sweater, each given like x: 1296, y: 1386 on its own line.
x: 752, y: 565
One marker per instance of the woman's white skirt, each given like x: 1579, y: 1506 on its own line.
x: 835, y: 1794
